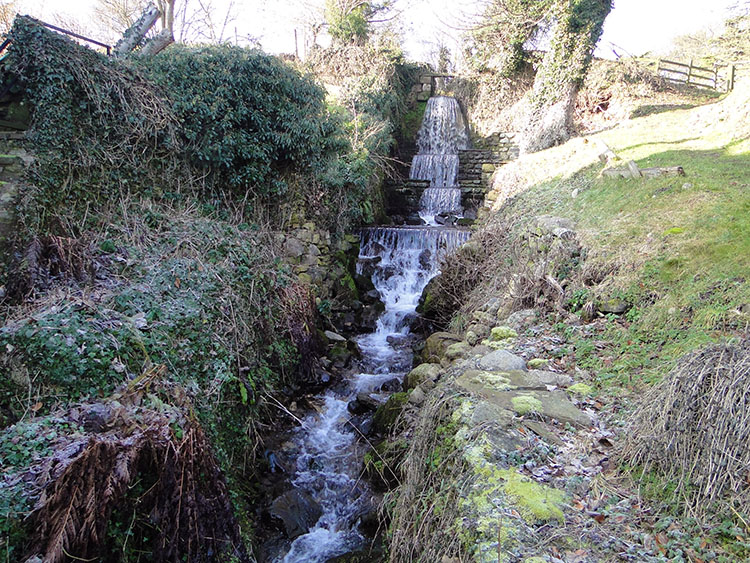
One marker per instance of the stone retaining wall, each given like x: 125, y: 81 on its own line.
x: 403, y: 197
x: 328, y: 266
x: 502, y: 144
x: 476, y: 167
x: 13, y: 163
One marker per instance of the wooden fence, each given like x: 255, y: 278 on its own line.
x: 720, y: 77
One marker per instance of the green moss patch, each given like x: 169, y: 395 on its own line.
x: 534, y: 500
x: 526, y: 404
x: 502, y: 333
x: 580, y: 389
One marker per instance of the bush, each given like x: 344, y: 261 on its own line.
x: 245, y: 116
x: 220, y: 122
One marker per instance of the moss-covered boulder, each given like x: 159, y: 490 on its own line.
x: 387, y: 414
x: 423, y: 373
x: 502, y: 333
x: 436, y: 346
x: 457, y: 351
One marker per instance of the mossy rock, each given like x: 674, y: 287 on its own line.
x: 500, y: 333
x: 535, y: 501
x: 457, y: 351
x: 386, y: 415
x: 436, y: 345
x: 347, y: 288
x: 340, y: 353
x: 483, y: 317
x: 421, y: 374
x: 526, y: 404
x: 614, y: 306
x: 581, y: 389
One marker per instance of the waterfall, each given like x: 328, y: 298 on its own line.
x: 401, y: 261
x: 443, y: 133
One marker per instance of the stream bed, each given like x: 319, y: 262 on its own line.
x: 328, y: 446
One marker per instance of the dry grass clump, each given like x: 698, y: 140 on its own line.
x: 512, y: 260
x: 694, y: 428
x: 427, y: 503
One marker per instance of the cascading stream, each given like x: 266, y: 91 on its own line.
x: 442, y: 135
x: 402, y: 260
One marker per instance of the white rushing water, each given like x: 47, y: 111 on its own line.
x: 402, y: 261
x: 442, y: 135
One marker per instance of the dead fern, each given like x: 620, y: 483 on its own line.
x: 187, y: 508
x: 47, y: 260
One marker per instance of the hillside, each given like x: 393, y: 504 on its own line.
x: 577, y: 295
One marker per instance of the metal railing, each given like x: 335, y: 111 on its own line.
x: 7, y: 41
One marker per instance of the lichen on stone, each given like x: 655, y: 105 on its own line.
x: 498, y: 381
x: 502, y: 333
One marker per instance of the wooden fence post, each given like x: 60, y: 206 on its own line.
x: 730, y: 85
x: 690, y: 71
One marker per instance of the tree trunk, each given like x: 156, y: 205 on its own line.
x: 157, y: 43
x: 549, y: 120
x: 135, y: 34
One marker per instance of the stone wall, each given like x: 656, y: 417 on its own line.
x: 13, y: 163
x: 476, y: 167
x: 429, y: 84
x: 308, y: 250
x: 329, y: 267
x: 403, y: 197
x: 502, y: 144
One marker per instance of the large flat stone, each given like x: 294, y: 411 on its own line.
x: 554, y: 404
x: 502, y: 360
x: 515, y: 379
x: 297, y: 510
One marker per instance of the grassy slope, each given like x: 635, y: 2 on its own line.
x: 676, y: 248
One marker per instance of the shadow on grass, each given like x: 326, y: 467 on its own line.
x: 643, y: 111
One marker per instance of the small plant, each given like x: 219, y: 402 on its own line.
x: 578, y: 299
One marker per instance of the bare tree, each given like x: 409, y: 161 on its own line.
x: 310, y: 17
x: 8, y: 11
x: 115, y: 16
x: 201, y: 22
x: 187, y: 21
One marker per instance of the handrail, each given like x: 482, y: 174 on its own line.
x: 7, y: 42
x: 77, y: 36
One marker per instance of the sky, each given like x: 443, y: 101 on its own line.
x: 634, y: 27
